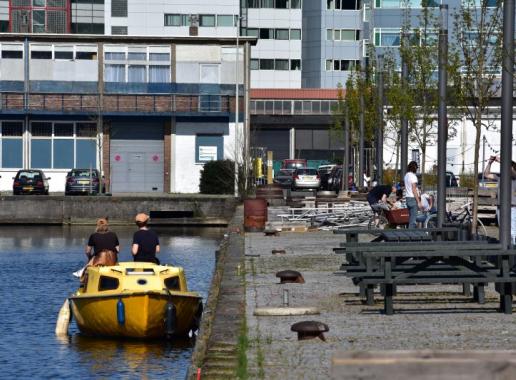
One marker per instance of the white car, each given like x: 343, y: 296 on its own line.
x: 306, y: 178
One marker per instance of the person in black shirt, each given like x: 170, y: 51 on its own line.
x: 378, y: 195
x: 145, y: 241
x: 102, y: 239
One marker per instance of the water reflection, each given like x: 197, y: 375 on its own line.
x: 36, y: 264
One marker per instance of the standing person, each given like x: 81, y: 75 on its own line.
x: 412, y: 194
x: 366, y: 180
x: 496, y: 177
x: 145, y: 241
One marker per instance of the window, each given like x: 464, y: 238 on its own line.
x: 63, y: 145
x: 209, y: 103
x: 253, y: 3
x: 282, y: 4
x: 252, y: 32
x: 282, y: 34
x: 295, y: 4
x: 329, y: 64
x: 117, y: 56
x: 41, y: 54
x: 347, y: 35
x: 387, y: 37
x: 341, y: 65
x: 207, y: 20
x: 159, y: 74
x: 346, y: 5
x: 118, y: 8
x: 136, y: 56
x: 114, y: 73
x: 11, y: 144
x: 255, y: 64
x: 209, y: 74
x: 295, y: 34
x: 38, y: 3
x: 136, y: 73
x: 225, y: 20
x: 172, y: 283
x: 38, y: 21
x: 119, y: 30
x: 12, y: 54
x: 266, y: 64
x: 209, y: 148
x: 162, y: 57
x: 336, y: 34
x: 281, y: 64
x: 175, y: 20
x: 295, y: 64
x: 267, y: 4
x: 86, y: 52
x: 108, y: 283
x: 329, y: 34
x: 65, y: 55
x: 266, y: 34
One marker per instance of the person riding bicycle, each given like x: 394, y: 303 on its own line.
x: 378, y: 197
x: 495, y: 176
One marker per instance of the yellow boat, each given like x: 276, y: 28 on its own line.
x: 137, y: 300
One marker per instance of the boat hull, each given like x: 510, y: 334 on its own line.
x: 144, y: 314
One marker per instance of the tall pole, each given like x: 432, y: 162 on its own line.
x: 483, y: 156
x: 506, y: 133
x: 379, y: 129
x: 361, y: 157
x: 345, y: 163
x: 404, y: 121
x: 237, y: 136
x: 442, y: 128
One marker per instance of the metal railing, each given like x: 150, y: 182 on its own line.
x: 292, y: 107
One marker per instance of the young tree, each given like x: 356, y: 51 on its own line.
x: 476, y: 61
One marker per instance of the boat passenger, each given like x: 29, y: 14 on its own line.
x: 101, y: 240
x: 145, y: 241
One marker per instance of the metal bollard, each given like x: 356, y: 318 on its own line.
x: 285, y: 297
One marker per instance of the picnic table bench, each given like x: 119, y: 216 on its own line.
x: 391, y: 264
x: 444, y: 233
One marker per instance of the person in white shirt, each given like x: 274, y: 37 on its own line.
x: 494, y: 176
x: 366, y: 180
x: 412, y: 194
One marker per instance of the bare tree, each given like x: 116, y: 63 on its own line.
x: 475, y: 68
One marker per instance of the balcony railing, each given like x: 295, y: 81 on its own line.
x: 117, y: 103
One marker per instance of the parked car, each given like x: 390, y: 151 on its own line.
x: 335, y: 180
x: 29, y: 181
x: 294, y: 164
x: 324, y: 173
x: 82, y: 181
x: 306, y: 178
x: 451, y: 180
x: 284, y: 178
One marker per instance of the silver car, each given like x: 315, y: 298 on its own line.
x: 306, y: 178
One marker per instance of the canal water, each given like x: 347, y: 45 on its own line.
x: 36, y: 266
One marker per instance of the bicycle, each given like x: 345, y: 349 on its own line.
x: 465, y: 216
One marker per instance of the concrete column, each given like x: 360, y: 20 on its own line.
x: 167, y: 129
x: 172, y: 152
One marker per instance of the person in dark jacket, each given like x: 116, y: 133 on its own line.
x: 378, y: 195
x: 145, y: 241
x: 102, y: 239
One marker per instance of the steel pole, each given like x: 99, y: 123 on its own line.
x: 505, y: 200
x: 361, y: 153
x: 237, y: 136
x: 379, y: 129
x: 442, y: 129
x: 345, y: 163
x: 404, y: 121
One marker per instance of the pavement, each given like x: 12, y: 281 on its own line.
x: 436, y: 317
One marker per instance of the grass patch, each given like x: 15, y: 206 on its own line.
x: 242, y: 347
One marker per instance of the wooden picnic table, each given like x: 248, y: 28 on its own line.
x: 391, y: 264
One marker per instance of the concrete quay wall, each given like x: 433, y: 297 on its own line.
x: 172, y: 210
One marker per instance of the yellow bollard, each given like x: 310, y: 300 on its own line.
x: 63, y: 319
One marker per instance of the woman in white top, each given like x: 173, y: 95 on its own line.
x: 412, y: 194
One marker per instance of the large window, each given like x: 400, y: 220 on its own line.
x: 63, y: 145
x: 344, y: 5
x: 342, y: 34
x: 278, y: 4
x: 341, y: 64
x: 12, y: 144
x: 134, y: 64
x: 275, y: 64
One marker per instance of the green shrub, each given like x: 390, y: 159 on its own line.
x: 218, y: 177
